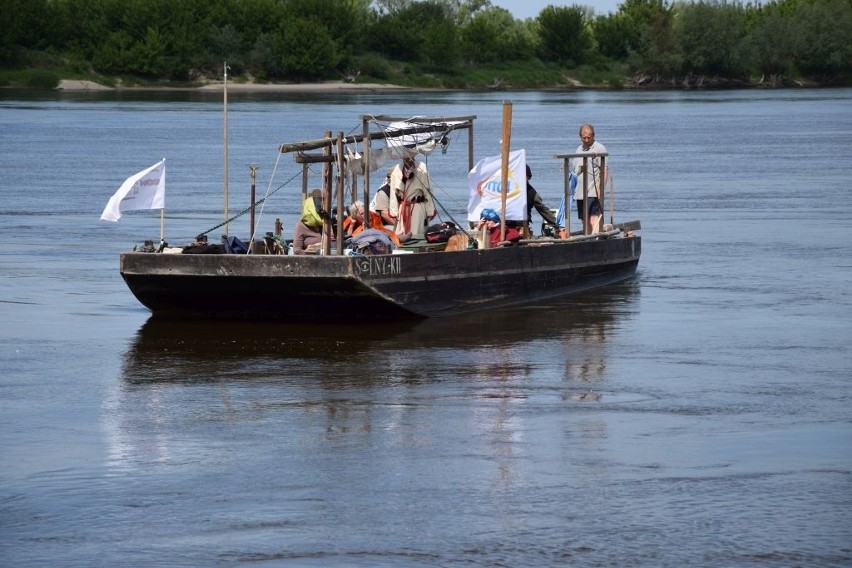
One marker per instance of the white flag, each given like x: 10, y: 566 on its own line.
x: 145, y: 190
x: 484, y: 182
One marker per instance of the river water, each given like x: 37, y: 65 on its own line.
x: 698, y: 414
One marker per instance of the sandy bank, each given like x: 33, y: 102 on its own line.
x: 68, y: 85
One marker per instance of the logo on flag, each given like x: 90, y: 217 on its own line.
x: 144, y: 190
x: 485, y: 181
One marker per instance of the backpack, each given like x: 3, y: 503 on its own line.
x: 441, y: 232
x: 233, y: 245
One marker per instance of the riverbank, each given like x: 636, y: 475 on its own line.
x: 324, y: 87
x: 347, y: 87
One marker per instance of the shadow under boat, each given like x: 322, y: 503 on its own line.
x: 166, y: 350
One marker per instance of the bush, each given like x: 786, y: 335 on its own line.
x: 41, y: 79
x: 373, y: 65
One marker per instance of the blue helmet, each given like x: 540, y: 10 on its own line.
x: 489, y: 215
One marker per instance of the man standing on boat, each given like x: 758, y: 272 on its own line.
x: 415, y: 208
x: 592, y: 181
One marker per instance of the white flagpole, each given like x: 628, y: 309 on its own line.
x: 163, y: 220
x: 225, y: 91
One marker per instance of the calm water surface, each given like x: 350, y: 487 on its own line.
x: 698, y: 414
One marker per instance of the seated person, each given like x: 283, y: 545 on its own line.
x: 308, y: 230
x: 491, y: 219
x: 534, y: 201
x: 381, y: 203
x: 354, y: 223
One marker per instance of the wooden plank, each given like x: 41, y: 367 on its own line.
x: 328, y: 141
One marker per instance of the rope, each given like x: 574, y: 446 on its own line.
x: 255, y: 204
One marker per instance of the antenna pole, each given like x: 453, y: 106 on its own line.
x: 225, y: 94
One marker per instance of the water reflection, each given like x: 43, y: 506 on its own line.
x: 213, y: 351
x: 403, y: 386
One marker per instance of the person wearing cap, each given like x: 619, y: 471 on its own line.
x: 592, y: 181
x: 490, y: 219
x: 411, y: 202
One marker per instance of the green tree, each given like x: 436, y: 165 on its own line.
x: 226, y: 44
x: 83, y: 26
x: 615, y: 35
x: 493, y: 35
x: 823, y: 41
x: 441, y: 45
x: 23, y: 25
x: 655, y: 52
x: 149, y: 56
x: 415, y: 31
x: 113, y: 55
x: 711, y: 38
x: 305, y: 50
x: 188, y: 26
x: 563, y: 34
x: 772, y: 39
x: 345, y: 21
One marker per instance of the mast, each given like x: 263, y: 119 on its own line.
x: 225, y: 95
x: 504, y: 164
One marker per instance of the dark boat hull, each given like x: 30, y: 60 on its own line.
x: 359, y: 288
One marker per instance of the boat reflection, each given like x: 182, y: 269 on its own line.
x: 472, y: 377
x: 225, y: 351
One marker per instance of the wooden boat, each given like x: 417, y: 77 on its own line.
x: 427, y: 282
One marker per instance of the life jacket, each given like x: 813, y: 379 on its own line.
x: 375, y: 223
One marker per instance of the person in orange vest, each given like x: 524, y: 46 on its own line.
x: 354, y: 222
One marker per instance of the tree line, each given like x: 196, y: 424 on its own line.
x: 442, y: 43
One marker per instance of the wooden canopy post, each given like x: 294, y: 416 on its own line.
x: 566, y: 168
x: 304, y: 182
x: 504, y: 164
x: 339, y: 196
x: 253, y: 176
x: 601, y: 192
x: 365, y: 126
x: 586, y: 227
x: 326, y: 198
x: 611, y: 201
x: 470, y: 160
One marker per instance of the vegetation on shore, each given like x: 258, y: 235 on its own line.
x: 451, y: 44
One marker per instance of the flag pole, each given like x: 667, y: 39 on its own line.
x: 225, y: 95
x: 504, y: 165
